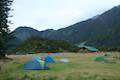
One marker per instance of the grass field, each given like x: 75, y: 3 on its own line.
x: 80, y: 67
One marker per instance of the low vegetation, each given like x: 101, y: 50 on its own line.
x: 40, y: 45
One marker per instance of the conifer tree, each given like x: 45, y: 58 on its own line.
x: 4, y: 30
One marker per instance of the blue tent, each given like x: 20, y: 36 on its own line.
x: 36, y: 57
x: 35, y: 65
x: 49, y: 58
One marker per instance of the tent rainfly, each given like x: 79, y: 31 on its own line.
x: 49, y: 59
x: 36, y: 64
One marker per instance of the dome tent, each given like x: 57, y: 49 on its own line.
x: 36, y: 57
x: 36, y: 64
x: 57, y: 57
x: 64, y: 60
x: 49, y: 58
x: 100, y: 59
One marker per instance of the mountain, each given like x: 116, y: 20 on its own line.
x: 101, y: 30
x: 23, y: 33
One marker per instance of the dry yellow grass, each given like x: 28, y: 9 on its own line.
x: 80, y: 67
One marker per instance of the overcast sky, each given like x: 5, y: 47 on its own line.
x: 46, y: 14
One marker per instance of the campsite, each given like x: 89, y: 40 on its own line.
x: 59, y: 39
x: 81, y: 66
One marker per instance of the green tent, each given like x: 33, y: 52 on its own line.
x: 100, y: 59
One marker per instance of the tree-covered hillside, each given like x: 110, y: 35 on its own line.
x: 40, y: 45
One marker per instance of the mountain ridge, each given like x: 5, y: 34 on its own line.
x: 102, y: 30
